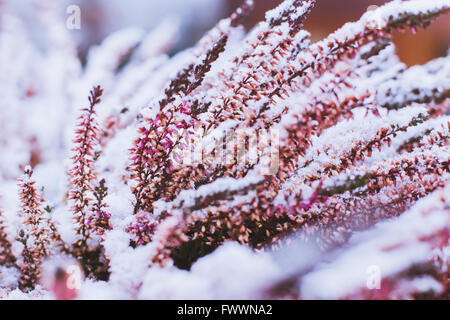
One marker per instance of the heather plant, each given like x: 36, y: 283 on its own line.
x: 322, y: 168
x: 6, y: 256
x: 35, y: 234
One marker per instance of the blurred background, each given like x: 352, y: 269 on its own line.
x: 194, y: 17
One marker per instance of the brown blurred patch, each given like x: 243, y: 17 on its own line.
x: 329, y: 15
x: 426, y: 44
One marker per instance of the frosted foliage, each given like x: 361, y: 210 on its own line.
x: 252, y: 165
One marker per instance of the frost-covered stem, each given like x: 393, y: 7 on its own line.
x: 266, y: 54
x: 419, y: 84
x: 141, y: 229
x: 418, y: 162
x: 56, y: 238
x: 191, y: 77
x: 7, y: 257
x: 35, y: 234
x: 363, y: 149
x: 99, y: 219
x: 82, y: 173
x: 224, y: 27
x: 436, y: 136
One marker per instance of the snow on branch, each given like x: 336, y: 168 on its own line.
x: 322, y: 168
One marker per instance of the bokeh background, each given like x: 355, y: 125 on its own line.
x: 194, y: 17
